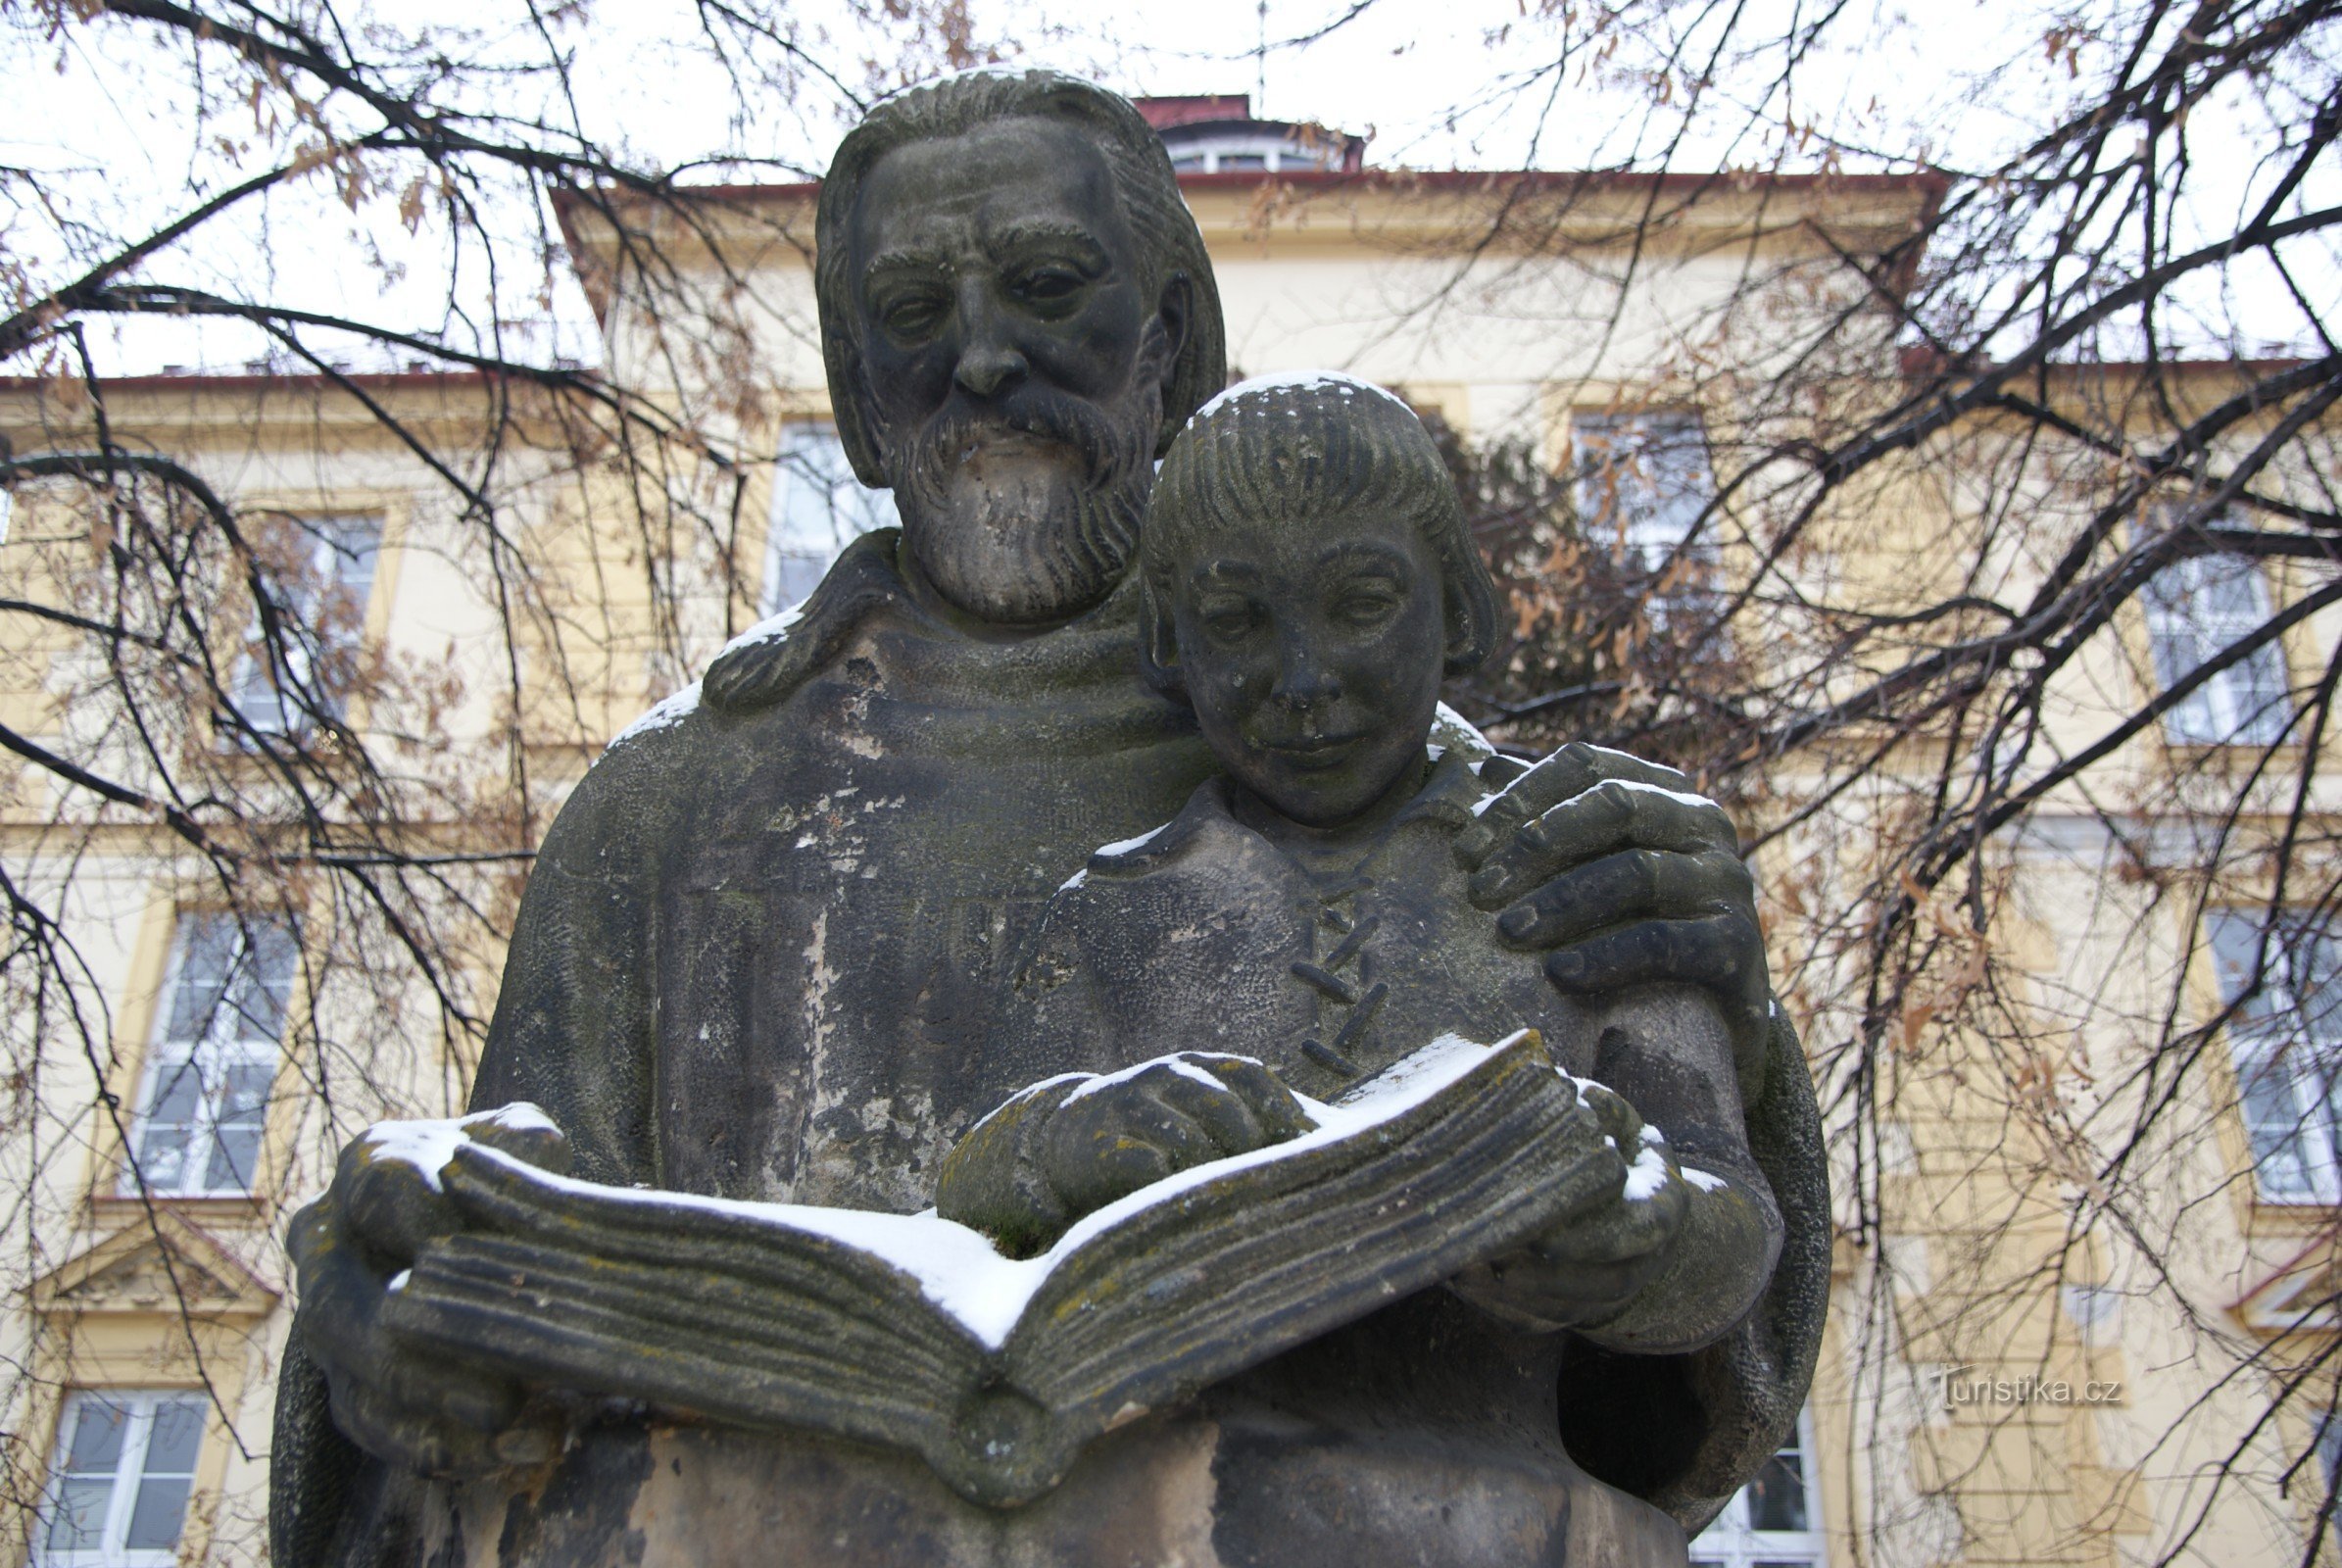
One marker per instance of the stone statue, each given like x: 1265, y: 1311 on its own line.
x: 1306, y: 583
x: 765, y: 946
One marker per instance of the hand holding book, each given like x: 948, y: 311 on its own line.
x: 916, y: 1331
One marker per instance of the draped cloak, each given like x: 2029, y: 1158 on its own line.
x: 757, y: 960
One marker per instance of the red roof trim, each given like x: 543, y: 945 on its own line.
x: 1926, y: 182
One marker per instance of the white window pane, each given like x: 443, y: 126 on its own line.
x: 263, y: 981
x: 1643, y: 479
x: 2283, y: 1154
x: 2197, y: 607
x: 235, y: 1156
x: 124, y: 1467
x: 818, y: 508
x: 78, y: 1523
x: 208, y: 948
x: 2286, y: 1044
x: 205, y: 1101
x: 170, y: 1127
x: 1773, y: 1520
x: 158, y: 1514
x: 172, y: 1441
x: 97, y: 1425
x: 319, y: 594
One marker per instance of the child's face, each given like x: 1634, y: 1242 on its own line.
x: 1313, y: 656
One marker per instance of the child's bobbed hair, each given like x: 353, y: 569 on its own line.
x: 1304, y: 452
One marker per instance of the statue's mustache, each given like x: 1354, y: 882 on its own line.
x: 957, y: 437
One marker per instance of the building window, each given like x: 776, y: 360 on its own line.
x: 1269, y: 152
x: 2196, y: 609
x: 201, y: 1110
x: 319, y: 579
x: 118, y: 1490
x: 818, y: 508
x: 1643, y: 482
x: 2286, y: 1038
x: 1775, y: 1520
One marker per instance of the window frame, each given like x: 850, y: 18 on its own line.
x: 2216, y: 713
x: 1279, y: 152
x: 1730, y: 1542
x: 255, y: 692
x: 1650, y: 545
x: 2263, y: 1030
x: 140, y: 1407
x: 213, y: 1055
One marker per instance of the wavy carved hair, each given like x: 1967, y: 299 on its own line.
x: 1169, y: 244
x: 1304, y: 452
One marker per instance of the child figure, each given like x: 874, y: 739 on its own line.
x: 1304, y: 922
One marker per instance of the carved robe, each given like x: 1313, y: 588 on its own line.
x: 757, y: 958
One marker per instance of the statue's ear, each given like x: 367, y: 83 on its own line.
x: 1471, y: 606
x: 1174, y: 313
x: 1159, y: 642
x: 853, y: 407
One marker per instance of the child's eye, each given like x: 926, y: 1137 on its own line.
x: 1367, y: 608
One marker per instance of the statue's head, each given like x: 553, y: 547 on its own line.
x: 1308, y: 583
x: 1017, y: 313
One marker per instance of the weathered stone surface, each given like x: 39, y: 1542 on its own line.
x: 763, y: 953
x: 1375, y: 1445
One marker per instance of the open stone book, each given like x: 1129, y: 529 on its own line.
x: 911, y: 1331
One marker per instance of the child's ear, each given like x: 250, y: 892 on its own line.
x: 1471, y: 609
x: 1159, y: 642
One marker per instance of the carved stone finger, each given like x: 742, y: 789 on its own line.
x: 1275, y: 1108
x: 1605, y: 820
x: 1560, y: 777
x: 1720, y: 951
x: 532, y: 1138
x: 1220, y: 1112
x: 1632, y: 885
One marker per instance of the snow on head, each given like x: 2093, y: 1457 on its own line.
x: 1266, y: 386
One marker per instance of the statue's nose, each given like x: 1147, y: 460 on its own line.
x: 990, y: 362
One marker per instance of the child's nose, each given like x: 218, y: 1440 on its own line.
x: 1304, y: 680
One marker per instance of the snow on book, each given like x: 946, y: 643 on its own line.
x: 911, y: 1331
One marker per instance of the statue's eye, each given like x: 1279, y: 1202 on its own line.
x: 1366, y: 606
x: 911, y: 316
x: 1048, y: 285
x: 1229, y: 621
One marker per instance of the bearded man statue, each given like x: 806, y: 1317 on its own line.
x: 762, y: 942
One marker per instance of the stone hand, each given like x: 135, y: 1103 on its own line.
x: 1128, y: 1132
x: 1595, y: 1262
x: 1626, y: 876
x: 1070, y: 1146
x: 400, y: 1402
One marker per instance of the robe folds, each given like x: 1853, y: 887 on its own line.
x: 760, y: 957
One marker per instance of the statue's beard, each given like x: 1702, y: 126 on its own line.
x: 1028, y: 511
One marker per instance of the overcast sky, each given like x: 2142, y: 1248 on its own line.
x: 111, y: 122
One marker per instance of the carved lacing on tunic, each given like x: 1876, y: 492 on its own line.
x: 1348, y: 995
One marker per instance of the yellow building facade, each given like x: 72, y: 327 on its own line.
x: 1990, y: 1392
